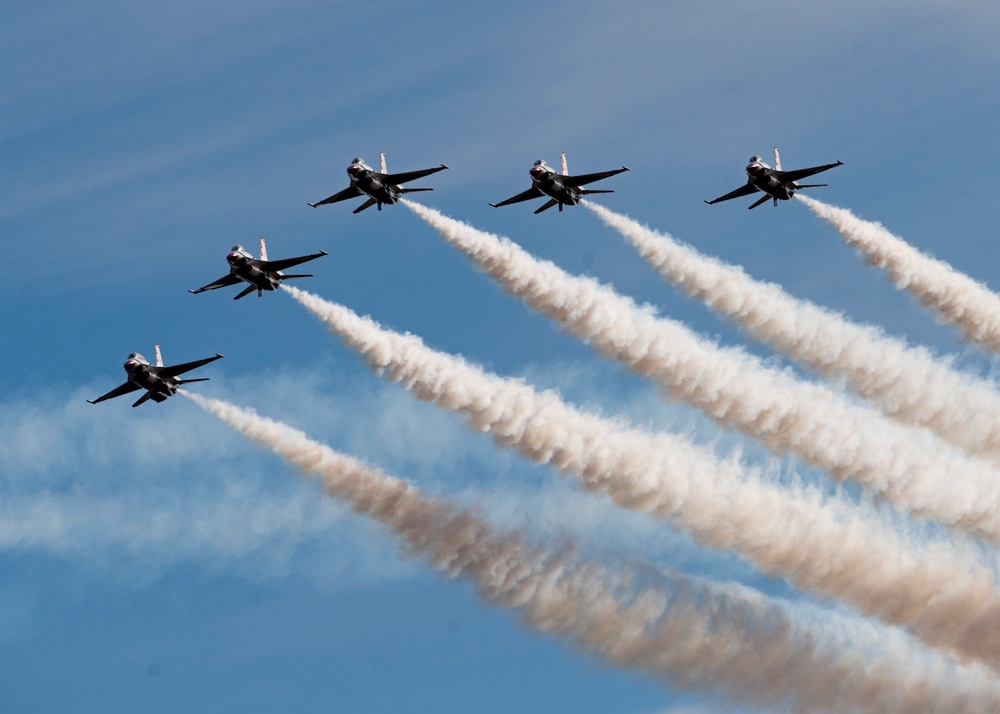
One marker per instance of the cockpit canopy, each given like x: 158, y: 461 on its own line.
x: 136, y: 356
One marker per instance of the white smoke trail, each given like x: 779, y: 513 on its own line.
x: 958, y: 299
x: 905, y: 382
x: 695, y: 635
x: 910, y: 467
x: 818, y: 544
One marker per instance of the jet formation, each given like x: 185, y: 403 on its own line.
x: 381, y: 187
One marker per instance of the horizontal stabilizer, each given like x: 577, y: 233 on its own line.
x: 762, y: 200
x: 546, y: 206
x: 811, y: 185
x: 245, y: 292
x: 293, y: 277
x: 142, y: 399
x: 414, y: 190
x: 367, y: 204
x: 189, y: 381
x: 588, y: 191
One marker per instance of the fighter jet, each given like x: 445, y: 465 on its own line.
x: 380, y: 186
x: 560, y: 187
x: 159, y: 381
x: 262, y: 274
x: 775, y: 183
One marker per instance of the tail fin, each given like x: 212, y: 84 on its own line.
x: 777, y: 159
x: 159, y: 358
x: 565, y: 171
x: 263, y: 249
x: 381, y: 163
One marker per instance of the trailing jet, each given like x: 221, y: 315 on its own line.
x: 775, y: 183
x: 380, y: 186
x: 561, y: 188
x: 159, y: 381
x: 262, y: 274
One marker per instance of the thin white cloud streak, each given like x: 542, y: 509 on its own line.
x: 818, y: 544
x: 910, y: 467
x: 956, y: 298
x: 695, y: 635
x: 907, y: 383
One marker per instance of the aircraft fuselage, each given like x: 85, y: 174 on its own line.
x: 550, y: 183
x: 369, y: 183
x: 147, y: 377
x: 764, y: 180
x: 247, y: 270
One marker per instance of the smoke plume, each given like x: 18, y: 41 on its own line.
x: 910, y: 467
x: 906, y: 382
x: 692, y: 634
x: 818, y: 544
x: 956, y: 298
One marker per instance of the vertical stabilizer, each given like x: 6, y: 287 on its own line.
x: 565, y: 171
x: 263, y: 249
x: 381, y: 163
x: 777, y: 159
x: 159, y: 357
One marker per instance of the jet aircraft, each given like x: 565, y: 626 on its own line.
x: 561, y: 188
x: 775, y: 183
x: 380, y: 186
x: 262, y: 274
x: 159, y: 381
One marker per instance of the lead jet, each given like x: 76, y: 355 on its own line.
x: 775, y: 183
x: 262, y: 274
x: 561, y: 188
x: 159, y: 381
x: 380, y: 186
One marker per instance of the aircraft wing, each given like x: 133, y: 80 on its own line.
x: 349, y: 192
x: 584, y: 179
x: 176, y: 369
x: 795, y: 175
x: 129, y: 386
x: 286, y: 263
x: 524, y: 196
x: 744, y: 190
x: 220, y: 283
x: 407, y: 176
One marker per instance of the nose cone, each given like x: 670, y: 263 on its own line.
x: 131, y: 365
x: 753, y: 168
x: 537, y: 170
x: 235, y: 258
x: 354, y: 170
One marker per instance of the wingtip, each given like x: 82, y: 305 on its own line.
x: 91, y: 401
x: 311, y: 204
x: 709, y: 203
x: 625, y: 168
x: 323, y: 252
x: 445, y: 166
x: 193, y: 292
x: 495, y: 205
x: 218, y: 356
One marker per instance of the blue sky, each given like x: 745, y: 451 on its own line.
x: 154, y: 561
